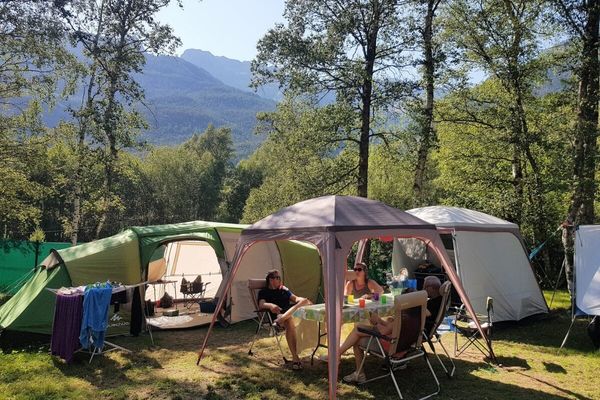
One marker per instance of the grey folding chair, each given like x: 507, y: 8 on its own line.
x: 263, y: 317
x: 433, y: 337
x: 465, y: 325
x: 405, y: 342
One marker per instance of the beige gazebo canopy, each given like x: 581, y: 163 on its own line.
x: 333, y: 224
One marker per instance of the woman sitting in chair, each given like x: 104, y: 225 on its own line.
x: 362, y: 286
x: 384, y: 326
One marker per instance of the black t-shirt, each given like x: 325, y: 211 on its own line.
x: 280, y: 297
x: 433, y: 305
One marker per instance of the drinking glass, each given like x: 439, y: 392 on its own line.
x: 361, y: 302
x: 350, y: 299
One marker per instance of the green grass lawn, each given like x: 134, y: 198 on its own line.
x: 531, y: 368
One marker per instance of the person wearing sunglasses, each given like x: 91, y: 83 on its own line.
x: 362, y: 286
x: 279, y: 301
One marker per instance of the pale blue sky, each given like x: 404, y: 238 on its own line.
x: 227, y: 28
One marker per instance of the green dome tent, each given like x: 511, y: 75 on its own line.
x: 125, y: 257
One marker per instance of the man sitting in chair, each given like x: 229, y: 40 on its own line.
x: 277, y: 299
x: 432, y: 285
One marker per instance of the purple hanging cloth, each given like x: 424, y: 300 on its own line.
x: 66, y: 326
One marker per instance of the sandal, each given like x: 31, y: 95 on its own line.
x: 297, y: 365
x: 278, y: 327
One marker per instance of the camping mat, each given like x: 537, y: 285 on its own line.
x: 181, y: 321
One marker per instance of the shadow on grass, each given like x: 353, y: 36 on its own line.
x: 547, y: 332
x: 168, y: 370
x: 23, y: 341
x: 554, y: 368
x: 560, y: 389
x: 513, y: 363
x: 261, y: 376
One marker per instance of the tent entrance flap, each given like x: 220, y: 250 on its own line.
x: 586, y: 274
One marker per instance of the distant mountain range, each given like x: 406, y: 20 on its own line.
x: 184, y: 95
x: 231, y: 72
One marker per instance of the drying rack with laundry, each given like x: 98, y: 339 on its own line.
x: 81, y: 317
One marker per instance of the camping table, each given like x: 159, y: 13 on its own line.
x: 351, y: 313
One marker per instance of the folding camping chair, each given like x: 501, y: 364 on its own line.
x: 405, y: 342
x: 465, y: 325
x: 432, y: 337
x: 263, y: 317
x: 193, y: 291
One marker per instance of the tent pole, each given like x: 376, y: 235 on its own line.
x: 562, y: 267
x: 567, y: 335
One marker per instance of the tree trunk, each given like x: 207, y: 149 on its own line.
x: 110, y: 124
x: 76, y: 216
x: 367, y: 93
x: 517, y: 183
x: 581, y: 208
x: 84, y: 121
x: 428, y: 136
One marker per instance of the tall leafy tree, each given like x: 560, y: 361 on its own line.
x: 214, y: 145
x: 426, y: 23
x: 582, y: 20
x: 114, y: 36
x: 355, y: 50
x: 32, y: 62
x: 302, y: 157
x: 502, y: 38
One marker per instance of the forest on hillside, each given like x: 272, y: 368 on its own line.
x: 490, y: 105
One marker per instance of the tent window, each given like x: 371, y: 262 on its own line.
x: 447, y: 240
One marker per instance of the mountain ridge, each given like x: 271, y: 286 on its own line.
x: 181, y: 99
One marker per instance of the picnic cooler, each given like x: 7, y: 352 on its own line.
x: 208, y: 306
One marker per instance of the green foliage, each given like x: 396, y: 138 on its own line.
x: 38, y: 235
x: 475, y: 157
x: 236, y: 190
x: 303, y: 157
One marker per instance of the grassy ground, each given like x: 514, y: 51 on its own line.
x: 531, y: 368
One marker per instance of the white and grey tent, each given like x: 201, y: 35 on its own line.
x: 490, y: 259
x: 587, y: 273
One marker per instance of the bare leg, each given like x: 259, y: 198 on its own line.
x: 290, y: 335
x: 358, y: 355
x: 352, y: 340
x: 282, y: 318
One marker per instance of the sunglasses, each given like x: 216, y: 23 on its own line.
x: 276, y: 277
x: 358, y: 269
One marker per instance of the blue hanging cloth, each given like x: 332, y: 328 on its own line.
x: 96, y: 302
x: 535, y: 251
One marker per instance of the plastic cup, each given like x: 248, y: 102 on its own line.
x: 376, y: 296
x: 361, y: 302
x: 383, y: 299
x: 350, y: 299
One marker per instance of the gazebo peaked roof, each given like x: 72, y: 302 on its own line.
x: 337, y: 213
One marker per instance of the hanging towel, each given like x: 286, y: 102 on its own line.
x: 66, y: 327
x: 96, y: 301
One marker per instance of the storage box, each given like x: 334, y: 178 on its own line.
x: 207, y: 307
x: 171, y: 313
